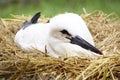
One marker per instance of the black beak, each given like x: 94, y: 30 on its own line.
x: 84, y: 44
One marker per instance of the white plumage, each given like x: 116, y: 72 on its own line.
x: 33, y: 36
x: 57, y: 36
x: 73, y: 23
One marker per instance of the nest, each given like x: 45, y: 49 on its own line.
x: 15, y: 64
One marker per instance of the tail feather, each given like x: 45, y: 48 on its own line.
x: 35, y: 18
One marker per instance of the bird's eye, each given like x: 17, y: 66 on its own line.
x: 65, y: 32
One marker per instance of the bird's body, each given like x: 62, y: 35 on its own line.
x: 32, y: 36
x: 58, y: 37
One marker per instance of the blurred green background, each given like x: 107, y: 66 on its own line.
x: 52, y: 7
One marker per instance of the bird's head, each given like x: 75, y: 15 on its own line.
x: 64, y: 31
x: 59, y: 35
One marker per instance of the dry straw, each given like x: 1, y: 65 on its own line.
x: 15, y: 64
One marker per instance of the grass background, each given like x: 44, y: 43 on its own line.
x: 50, y: 8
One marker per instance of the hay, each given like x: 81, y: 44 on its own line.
x: 15, y: 64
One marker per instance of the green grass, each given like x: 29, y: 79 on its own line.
x: 52, y: 7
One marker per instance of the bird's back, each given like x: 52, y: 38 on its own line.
x: 34, y: 36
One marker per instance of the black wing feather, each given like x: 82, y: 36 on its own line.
x: 35, y: 18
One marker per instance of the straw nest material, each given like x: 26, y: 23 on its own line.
x: 15, y: 64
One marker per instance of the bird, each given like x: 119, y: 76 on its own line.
x: 64, y: 35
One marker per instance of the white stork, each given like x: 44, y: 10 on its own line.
x: 65, y: 35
